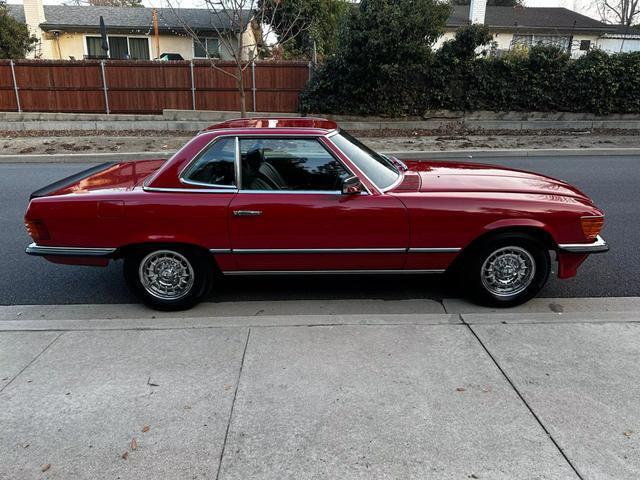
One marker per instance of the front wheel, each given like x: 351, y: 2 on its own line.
x: 168, y: 278
x: 507, y: 270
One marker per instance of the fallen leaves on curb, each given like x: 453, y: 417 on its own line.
x: 460, y: 389
x: 134, y: 444
x: 145, y: 429
x: 627, y: 433
x: 125, y: 455
x: 46, y: 467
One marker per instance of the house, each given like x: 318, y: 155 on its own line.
x: 527, y: 26
x: 74, y: 32
x: 622, y: 39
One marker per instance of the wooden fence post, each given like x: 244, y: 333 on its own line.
x: 15, y: 86
x: 104, y: 86
x: 193, y: 87
x: 253, y: 84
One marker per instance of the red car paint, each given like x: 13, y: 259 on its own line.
x: 434, y: 205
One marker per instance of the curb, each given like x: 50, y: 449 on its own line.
x: 207, y: 314
x: 414, y: 155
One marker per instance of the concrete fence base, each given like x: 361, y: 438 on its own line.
x: 189, y: 120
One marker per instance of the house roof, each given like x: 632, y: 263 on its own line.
x: 71, y: 17
x: 531, y: 18
x: 623, y: 30
x: 68, y: 17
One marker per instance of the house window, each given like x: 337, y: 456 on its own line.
x: 94, y: 49
x: 138, y: 49
x: 121, y: 48
x: 206, y: 47
x: 523, y: 40
x: 527, y: 40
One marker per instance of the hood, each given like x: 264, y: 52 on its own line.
x: 107, y: 176
x: 473, y: 177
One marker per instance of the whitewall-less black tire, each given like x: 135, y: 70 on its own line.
x: 168, y: 277
x: 507, y: 269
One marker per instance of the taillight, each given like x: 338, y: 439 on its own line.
x: 591, y: 226
x: 37, y: 230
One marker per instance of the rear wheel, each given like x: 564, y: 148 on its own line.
x: 168, y: 278
x: 507, y: 270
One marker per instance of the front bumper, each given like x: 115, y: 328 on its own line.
x: 599, y: 246
x: 43, y: 251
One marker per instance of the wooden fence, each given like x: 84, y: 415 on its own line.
x: 93, y: 86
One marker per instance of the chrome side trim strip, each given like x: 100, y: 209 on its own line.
x: 328, y: 272
x: 213, y: 186
x: 34, y: 249
x: 435, y: 250
x: 296, y: 192
x: 599, y: 246
x: 319, y: 250
x: 190, y: 190
x: 220, y: 250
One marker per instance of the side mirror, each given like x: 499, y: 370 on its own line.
x: 351, y: 186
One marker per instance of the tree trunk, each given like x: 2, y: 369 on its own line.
x: 240, y: 79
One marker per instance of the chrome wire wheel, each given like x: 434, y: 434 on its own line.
x: 508, y: 271
x: 166, y: 275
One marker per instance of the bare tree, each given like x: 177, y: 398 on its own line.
x: 619, y: 12
x: 243, y: 28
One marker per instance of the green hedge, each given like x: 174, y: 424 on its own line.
x: 540, y: 79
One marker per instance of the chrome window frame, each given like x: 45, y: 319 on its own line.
x: 292, y: 192
x: 381, y: 190
x: 213, y: 186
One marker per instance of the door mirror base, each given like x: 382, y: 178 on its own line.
x: 351, y: 186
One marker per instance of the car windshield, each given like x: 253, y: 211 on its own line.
x: 377, y: 168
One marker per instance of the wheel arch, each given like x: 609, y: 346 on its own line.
x: 126, y: 250
x: 535, y: 230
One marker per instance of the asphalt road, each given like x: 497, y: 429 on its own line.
x: 613, y: 183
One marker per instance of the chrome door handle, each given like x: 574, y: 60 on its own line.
x: 247, y: 213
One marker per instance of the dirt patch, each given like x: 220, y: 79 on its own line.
x: 22, y: 143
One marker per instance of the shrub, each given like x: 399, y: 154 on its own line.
x: 379, y: 66
x: 458, y: 77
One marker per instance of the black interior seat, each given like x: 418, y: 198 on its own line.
x: 258, y: 174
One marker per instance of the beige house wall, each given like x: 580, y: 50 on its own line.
x: 504, y: 39
x: 73, y: 44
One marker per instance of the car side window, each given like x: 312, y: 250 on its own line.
x: 289, y: 164
x: 215, y: 166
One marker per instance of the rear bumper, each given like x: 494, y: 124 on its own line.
x: 43, y: 251
x: 599, y: 246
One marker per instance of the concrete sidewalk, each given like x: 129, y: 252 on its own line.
x: 547, y: 390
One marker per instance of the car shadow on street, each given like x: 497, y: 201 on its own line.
x: 330, y: 287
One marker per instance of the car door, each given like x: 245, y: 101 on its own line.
x: 291, y: 215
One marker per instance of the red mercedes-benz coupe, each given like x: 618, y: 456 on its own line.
x: 299, y: 195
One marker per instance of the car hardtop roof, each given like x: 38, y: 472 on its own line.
x: 277, y: 122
